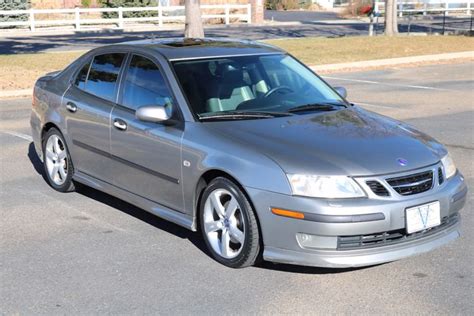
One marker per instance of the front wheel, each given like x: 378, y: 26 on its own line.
x: 229, y: 225
x: 57, y: 161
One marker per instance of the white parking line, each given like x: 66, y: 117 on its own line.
x: 387, y: 84
x: 20, y: 135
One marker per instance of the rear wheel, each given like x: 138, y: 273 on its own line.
x: 57, y: 161
x: 229, y: 225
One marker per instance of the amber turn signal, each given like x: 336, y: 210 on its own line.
x: 287, y: 213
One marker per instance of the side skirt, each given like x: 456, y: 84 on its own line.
x: 164, y: 212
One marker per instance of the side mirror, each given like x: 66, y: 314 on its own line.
x: 154, y: 113
x: 342, y: 91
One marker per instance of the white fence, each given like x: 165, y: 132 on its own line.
x: 429, y: 6
x: 163, y: 14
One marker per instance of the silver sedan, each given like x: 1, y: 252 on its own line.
x: 242, y: 142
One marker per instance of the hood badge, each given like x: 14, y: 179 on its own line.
x: 402, y: 162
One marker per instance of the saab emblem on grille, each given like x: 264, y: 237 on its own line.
x: 402, y: 162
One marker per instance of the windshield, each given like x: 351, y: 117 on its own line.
x: 265, y: 84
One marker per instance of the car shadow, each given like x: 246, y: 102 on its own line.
x: 36, y: 162
x: 142, y: 215
x: 171, y: 228
x: 123, y: 206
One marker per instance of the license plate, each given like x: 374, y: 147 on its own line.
x: 423, y: 217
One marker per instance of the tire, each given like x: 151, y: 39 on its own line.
x: 230, y: 230
x: 56, y: 156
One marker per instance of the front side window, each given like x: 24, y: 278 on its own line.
x: 102, y: 76
x: 144, y: 85
x: 274, y: 83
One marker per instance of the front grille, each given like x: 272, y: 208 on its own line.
x: 377, y: 188
x: 391, y: 237
x: 412, y: 184
x: 440, y: 176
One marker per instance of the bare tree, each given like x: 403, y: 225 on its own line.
x: 391, y: 23
x: 193, y: 25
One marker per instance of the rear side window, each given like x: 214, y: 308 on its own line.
x: 102, y: 76
x: 144, y: 85
x: 82, y: 76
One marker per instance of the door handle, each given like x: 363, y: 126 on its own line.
x: 120, y: 124
x: 71, y: 107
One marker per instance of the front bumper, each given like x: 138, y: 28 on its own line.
x: 282, y: 235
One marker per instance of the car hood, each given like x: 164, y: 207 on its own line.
x: 350, y: 141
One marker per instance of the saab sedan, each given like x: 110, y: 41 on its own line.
x: 242, y: 142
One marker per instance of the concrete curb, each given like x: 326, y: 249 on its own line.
x: 358, y: 65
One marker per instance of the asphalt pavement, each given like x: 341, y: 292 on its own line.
x: 300, y: 15
x: 89, y: 253
x: 288, y: 24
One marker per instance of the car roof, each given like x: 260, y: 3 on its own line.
x: 192, y: 48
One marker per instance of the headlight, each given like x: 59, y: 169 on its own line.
x: 449, y: 166
x: 324, y: 186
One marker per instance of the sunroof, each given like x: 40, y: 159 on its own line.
x: 189, y: 42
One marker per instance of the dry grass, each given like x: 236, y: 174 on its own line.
x: 320, y: 51
x: 20, y: 71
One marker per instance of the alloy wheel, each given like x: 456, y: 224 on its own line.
x: 56, y: 159
x: 223, y: 223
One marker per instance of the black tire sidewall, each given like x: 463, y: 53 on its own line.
x: 247, y: 255
x: 68, y: 184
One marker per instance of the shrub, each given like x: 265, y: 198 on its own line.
x: 86, y: 3
x: 129, y: 3
x: 14, y: 5
x: 284, y: 4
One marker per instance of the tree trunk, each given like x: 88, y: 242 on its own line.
x: 391, y: 24
x: 193, y: 25
x: 395, y: 17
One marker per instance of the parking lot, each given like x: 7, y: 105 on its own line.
x: 90, y: 253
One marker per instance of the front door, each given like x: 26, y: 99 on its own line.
x: 147, y: 156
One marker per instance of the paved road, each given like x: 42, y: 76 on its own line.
x: 300, y: 16
x: 89, y: 253
x: 10, y: 44
x: 84, y: 40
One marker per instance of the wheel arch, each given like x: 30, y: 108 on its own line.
x: 204, y: 181
x: 47, y: 127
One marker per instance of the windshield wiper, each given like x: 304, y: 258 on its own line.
x: 225, y: 115
x: 315, y: 107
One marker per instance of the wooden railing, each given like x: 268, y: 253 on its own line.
x: 429, y: 6
x: 163, y: 14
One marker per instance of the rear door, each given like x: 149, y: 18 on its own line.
x: 89, y: 103
x: 147, y: 156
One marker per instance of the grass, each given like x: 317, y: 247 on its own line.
x: 20, y: 71
x: 320, y: 51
